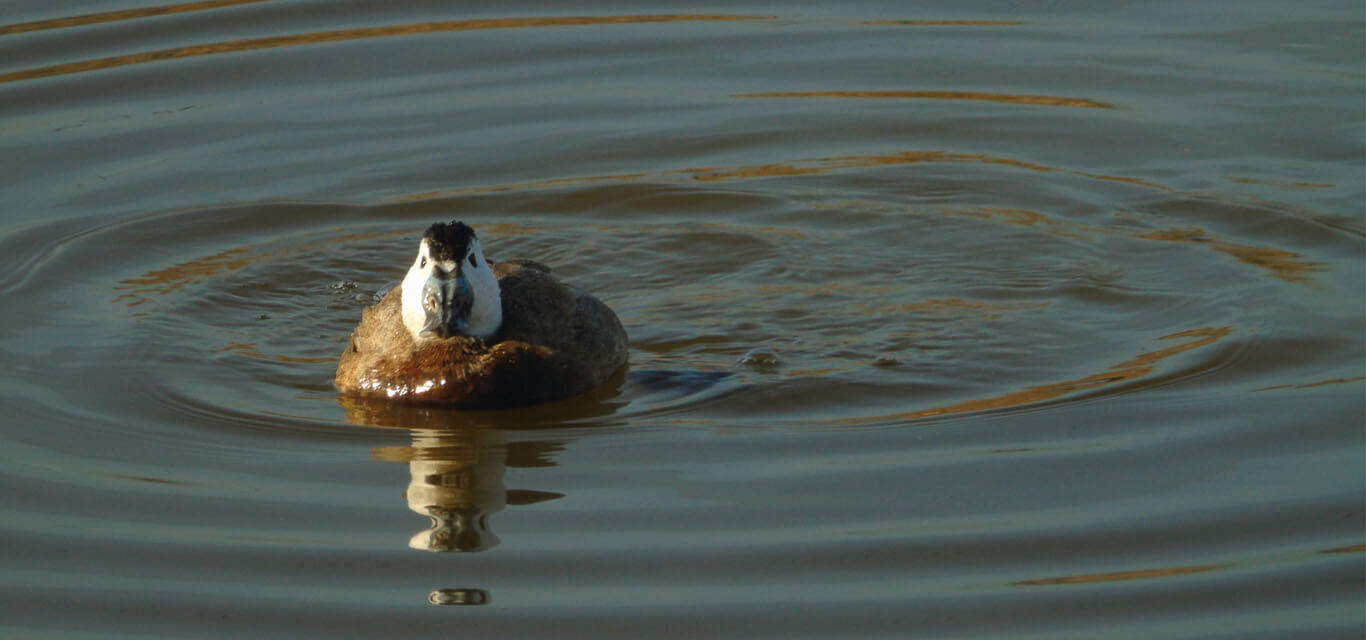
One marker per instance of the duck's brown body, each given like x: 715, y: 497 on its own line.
x: 555, y: 342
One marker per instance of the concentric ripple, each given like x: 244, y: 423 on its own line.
x: 251, y: 315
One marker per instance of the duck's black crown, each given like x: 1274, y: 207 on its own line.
x: 449, y: 241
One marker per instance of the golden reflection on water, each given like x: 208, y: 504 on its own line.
x: 1286, y: 265
x: 1281, y: 184
x: 944, y: 23
x: 339, y: 35
x: 1117, y: 576
x: 1356, y: 548
x: 1002, y: 98
x: 856, y: 162
x: 160, y: 282
x: 1128, y: 371
x: 163, y: 281
x: 1027, y: 218
x: 115, y: 16
x: 248, y: 349
x: 775, y: 170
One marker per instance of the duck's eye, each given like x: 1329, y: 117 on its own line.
x: 473, y: 262
x: 423, y: 263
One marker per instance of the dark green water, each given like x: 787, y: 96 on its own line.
x: 946, y: 320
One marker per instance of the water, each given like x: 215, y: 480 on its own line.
x: 945, y: 321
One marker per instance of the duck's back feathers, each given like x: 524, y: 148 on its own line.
x: 555, y: 341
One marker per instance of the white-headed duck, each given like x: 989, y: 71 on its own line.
x: 462, y: 331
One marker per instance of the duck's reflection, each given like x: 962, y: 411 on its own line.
x: 457, y: 461
x: 457, y: 481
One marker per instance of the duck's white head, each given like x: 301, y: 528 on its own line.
x: 451, y: 289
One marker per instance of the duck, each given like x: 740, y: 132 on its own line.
x: 462, y: 331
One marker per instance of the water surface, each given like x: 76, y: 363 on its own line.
x: 947, y: 320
